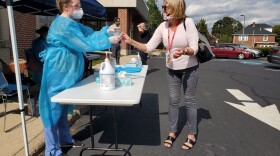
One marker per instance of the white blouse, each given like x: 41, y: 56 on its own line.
x: 182, y: 39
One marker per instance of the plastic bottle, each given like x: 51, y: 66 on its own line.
x: 107, y: 75
x: 31, y: 105
x: 139, y: 61
x: 37, y: 109
x: 112, y: 60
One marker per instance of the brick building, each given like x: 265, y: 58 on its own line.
x: 256, y: 35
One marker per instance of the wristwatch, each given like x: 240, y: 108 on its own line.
x: 186, y: 50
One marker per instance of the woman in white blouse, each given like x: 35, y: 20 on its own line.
x: 181, y: 63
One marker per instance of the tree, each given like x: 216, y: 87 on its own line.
x: 223, y: 29
x: 154, y: 17
x: 276, y: 30
x: 202, y: 27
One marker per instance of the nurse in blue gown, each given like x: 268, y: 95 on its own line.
x: 63, y: 67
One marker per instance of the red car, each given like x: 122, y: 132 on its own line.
x: 230, y: 52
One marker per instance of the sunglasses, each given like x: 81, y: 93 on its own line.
x: 164, y: 7
x: 78, y: 6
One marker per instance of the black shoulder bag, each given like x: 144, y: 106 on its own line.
x: 204, y: 53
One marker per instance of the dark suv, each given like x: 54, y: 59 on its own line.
x: 274, y: 57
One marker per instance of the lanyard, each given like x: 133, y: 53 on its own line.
x: 170, y: 44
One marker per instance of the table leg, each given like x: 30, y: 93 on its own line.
x: 115, y: 127
x: 116, y: 136
x: 91, y: 127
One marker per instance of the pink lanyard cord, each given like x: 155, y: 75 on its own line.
x: 170, y: 44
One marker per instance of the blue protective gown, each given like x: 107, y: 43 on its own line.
x: 64, y: 63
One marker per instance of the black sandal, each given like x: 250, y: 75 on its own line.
x: 171, y: 139
x: 186, y: 145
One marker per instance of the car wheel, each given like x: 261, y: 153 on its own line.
x: 241, y: 56
x: 253, y: 55
x: 256, y: 56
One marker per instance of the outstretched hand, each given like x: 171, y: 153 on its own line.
x: 115, y: 39
x: 126, y: 38
x: 113, y: 31
x: 110, y: 30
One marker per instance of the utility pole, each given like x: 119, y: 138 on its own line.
x: 254, y: 25
x: 243, y: 28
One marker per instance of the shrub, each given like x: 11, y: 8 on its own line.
x: 266, y: 50
x: 97, y: 61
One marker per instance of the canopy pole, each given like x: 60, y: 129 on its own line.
x: 17, y: 71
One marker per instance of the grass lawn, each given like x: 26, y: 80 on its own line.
x: 98, y: 61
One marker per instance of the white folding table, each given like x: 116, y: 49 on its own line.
x: 88, y: 92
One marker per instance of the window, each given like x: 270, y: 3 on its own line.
x: 44, y: 21
x: 264, y: 46
x: 221, y: 47
x: 239, y: 38
x: 265, y: 38
x: 245, y: 38
x: 228, y: 48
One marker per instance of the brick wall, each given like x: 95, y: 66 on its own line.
x: 124, y: 17
x: 25, y: 26
x: 250, y: 41
x: 260, y: 39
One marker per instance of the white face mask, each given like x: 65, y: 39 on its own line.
x: 166, y: 17
x: 78, y: 14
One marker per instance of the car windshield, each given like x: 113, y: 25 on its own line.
x: 244, y: 46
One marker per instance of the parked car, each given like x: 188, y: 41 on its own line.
x: 274, y: 57
x: 255, y: 52
x: 230, y: 51
x: 274, y: 50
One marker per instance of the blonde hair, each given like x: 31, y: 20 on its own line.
x: 60, y: 4
x: 178, y: 8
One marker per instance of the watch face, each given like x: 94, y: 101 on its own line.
x: 186, y: 51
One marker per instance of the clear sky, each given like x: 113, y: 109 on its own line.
x: 259, y: 11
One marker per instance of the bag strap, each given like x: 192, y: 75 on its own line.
x: 185, y: 23
x: 185, y: 26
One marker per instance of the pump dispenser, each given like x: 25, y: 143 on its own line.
x: 107, y: 75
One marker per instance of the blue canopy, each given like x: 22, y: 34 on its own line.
x: 91, y: 8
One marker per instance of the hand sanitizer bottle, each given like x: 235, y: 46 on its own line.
x: 107, y: 75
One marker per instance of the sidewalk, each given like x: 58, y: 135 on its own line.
x: 12, y: 143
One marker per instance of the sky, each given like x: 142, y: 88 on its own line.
x: 259, y: 11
